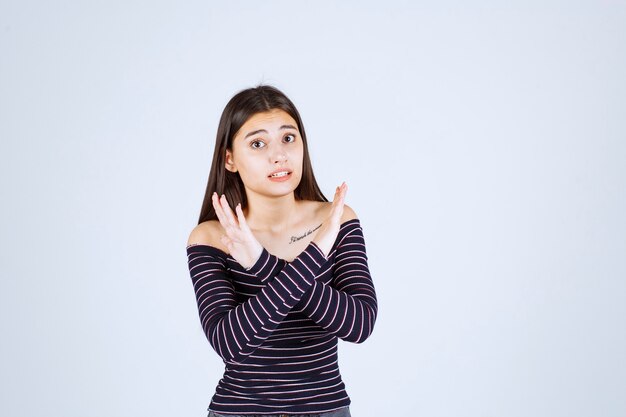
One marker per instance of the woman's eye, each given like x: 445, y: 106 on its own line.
x: 252, y: 144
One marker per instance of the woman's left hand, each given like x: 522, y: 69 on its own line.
x: 239, y: 239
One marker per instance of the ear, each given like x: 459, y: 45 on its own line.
x: 230, y: 164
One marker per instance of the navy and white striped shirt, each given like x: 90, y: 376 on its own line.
x: 276, y: 324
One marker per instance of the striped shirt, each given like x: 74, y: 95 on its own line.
x: 276, y: 324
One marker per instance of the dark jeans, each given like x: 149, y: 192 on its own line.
x: 342, y: 412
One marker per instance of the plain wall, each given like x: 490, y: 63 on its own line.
x: 483, y: 144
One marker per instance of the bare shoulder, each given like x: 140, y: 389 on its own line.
x: 207, y: 233
x: 348, y: 212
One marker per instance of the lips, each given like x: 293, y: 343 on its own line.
x: 281, y: 178
x: 278, y: 171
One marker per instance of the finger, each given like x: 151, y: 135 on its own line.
x: 229, y: 212
x: 219, y: 211
x: 343, y: 194
x: 337, y: 207
x: 337, y: 192
x: 221, y: 215
x: 227, y: 225
x: 341, y: 199
x: 236, y: 233
x: 340, y: 192
x: 242, y: 219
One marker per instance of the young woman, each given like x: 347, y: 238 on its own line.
x: 282, y: 277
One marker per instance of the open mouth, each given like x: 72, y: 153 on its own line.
x: 280, y: 174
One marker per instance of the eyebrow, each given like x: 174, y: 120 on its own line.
x: 254, y: 132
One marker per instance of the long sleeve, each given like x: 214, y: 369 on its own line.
x: 349, y: 307
x: 267, y: 266
x: 233, y: 329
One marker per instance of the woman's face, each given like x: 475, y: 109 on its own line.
x: 267, y: 142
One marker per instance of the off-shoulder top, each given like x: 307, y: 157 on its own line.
x: 276, y: 325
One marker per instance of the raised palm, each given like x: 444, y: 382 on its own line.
x: 239, y: 239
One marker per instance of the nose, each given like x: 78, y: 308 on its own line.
x: 279, y: 156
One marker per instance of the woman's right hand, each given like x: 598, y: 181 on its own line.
x: 327, y: 233
x: 239, y: 239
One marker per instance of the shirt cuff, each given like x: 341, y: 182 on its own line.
x: 260, y: 263
x: 316, y: 253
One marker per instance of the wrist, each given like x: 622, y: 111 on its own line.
x: 320, y: 247
x: 256, y: 258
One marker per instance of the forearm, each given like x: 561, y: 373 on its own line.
x: 346, y: 305
x: 350, y: 316
x: 236, y: 330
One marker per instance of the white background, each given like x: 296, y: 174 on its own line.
x: 484, y: 149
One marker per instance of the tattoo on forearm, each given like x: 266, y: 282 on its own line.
x: 297, y: 238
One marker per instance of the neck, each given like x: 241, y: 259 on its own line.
x: 271, y: 214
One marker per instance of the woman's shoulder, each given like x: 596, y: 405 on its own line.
x: 324, y: 208
x: 207, y: 233
x: 348, y: 214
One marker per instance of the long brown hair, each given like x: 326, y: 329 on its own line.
x: 239, y: 109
